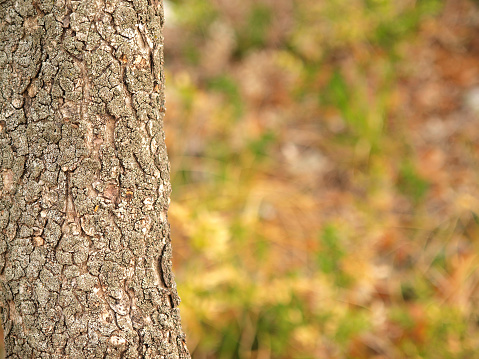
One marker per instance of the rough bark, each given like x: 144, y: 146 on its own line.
x: 85, y: 263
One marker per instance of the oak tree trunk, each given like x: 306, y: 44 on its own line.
x: 85, y: 263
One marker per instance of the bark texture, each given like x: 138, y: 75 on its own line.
x: 85, y: 253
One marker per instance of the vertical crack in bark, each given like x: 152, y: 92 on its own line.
x: 159, y: 272
x: 70, y: 213
x: 109, y: 136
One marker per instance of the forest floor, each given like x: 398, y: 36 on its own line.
x: 325, y: 177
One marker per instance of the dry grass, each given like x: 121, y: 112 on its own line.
x: 324, y: 159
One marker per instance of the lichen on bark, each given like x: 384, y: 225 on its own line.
x: 85, y: 252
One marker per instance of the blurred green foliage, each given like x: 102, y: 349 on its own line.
x: 411, y: 184
x: 227, y: 86
x: 307, y: 219
x: 252, y: 35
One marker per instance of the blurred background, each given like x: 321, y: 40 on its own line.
x: 324, y: 158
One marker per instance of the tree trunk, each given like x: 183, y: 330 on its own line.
x: 85, y: 263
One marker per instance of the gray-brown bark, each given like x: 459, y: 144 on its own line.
x: 85, y: 263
